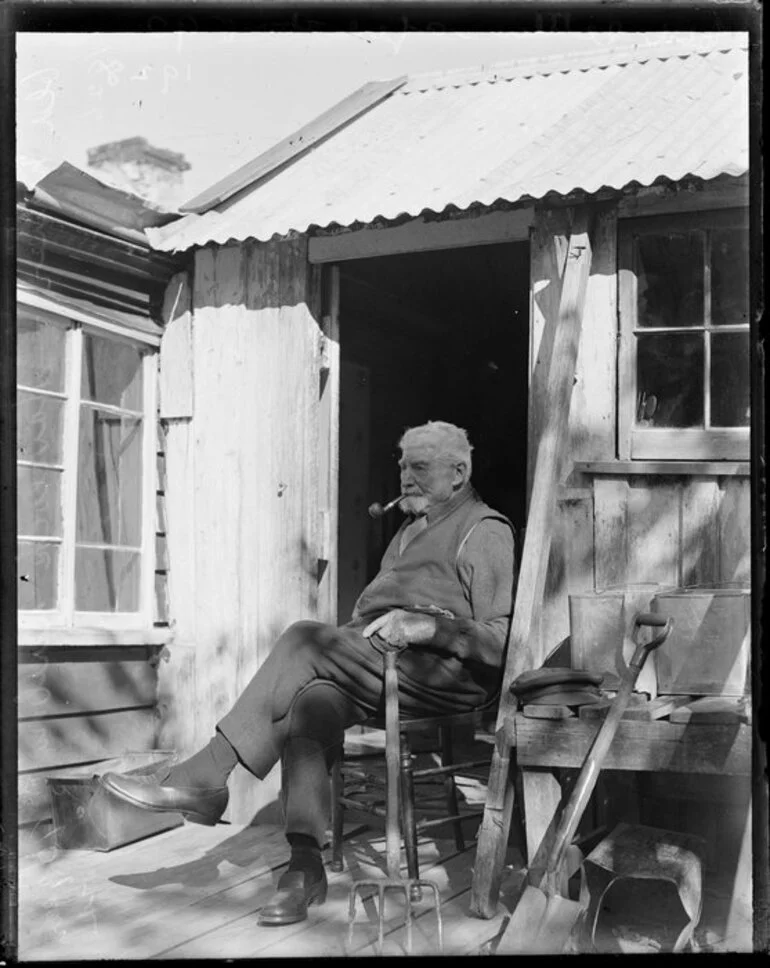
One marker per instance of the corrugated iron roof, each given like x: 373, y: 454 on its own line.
x: 461, y: 139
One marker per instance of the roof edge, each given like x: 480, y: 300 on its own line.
x: 576, y: 61
x: 326, y: 124
x: 163, y: 240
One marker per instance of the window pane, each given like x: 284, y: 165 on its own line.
x: 730, y: 380
x: 670, y: 280
x: 106, y: 580
x: 39, y: 353
x: 670, y: 380
x: 38, y: 569
x: 38, y: 501
x: 109, y: 478
x: 39, y: 428
x: 112, y: 373
x: 729, y: 277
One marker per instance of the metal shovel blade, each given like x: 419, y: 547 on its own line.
x: 540, y: 924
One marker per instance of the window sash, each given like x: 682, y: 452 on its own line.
x: 645, y: 443
x: 66, y: 616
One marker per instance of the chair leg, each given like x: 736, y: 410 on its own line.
x: 450, y: 787
x: 407, y: 808
x: 337, y: 811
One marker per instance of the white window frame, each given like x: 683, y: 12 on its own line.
x: 66, y: 619
x: 665, y: 443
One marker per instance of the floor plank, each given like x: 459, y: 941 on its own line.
x: 324, y: 932
x: 194, y: 892
x: 131, y: 900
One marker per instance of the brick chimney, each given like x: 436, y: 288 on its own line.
x: 136, y: 166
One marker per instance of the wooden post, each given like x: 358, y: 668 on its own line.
x: 524, y: 648
x: 328, y: 438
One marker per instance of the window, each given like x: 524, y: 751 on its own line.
x: 85, y: 456
x: 684, y: 316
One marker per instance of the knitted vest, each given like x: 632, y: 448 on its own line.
x: 426, y: 575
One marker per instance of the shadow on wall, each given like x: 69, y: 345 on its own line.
x: 75, y: 703
x: 663, y: 531
x: 78, y: 706
x: 258, y: 275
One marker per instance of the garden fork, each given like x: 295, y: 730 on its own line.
x: 411, y: 887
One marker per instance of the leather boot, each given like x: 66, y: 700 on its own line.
x: 296, y: 890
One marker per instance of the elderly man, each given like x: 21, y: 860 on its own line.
x: 443, y: 596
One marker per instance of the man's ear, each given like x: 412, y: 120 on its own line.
x: 461, y: 474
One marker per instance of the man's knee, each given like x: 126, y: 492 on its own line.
x: 307, y: 633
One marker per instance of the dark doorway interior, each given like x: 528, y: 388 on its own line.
x: 429, y: 336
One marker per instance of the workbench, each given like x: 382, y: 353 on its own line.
x: 544, y: 746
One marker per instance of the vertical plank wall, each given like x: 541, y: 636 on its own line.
x: 615, y: 530
x: 671, y: 531
x: 242, y: 485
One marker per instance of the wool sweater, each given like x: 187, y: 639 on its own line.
x: 461, y: 568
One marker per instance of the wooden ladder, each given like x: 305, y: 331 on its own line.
x: 524, y: 650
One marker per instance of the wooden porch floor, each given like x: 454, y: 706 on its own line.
x: 193, y: 892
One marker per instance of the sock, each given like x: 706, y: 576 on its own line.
x: 305, y: 853
x: 209, y: 767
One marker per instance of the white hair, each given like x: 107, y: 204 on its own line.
x: 449, y: 442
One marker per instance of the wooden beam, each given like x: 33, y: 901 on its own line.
x: 296, y: 144
x: 65, y: 638
x: 524, y: 648
x: 690, y: 468
x: 417, y: 235
x: 329, y: 456
x: 724, y: 192
x: 521, y: 655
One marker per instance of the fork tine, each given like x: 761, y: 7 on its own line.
x: 408, y: 896
x: 380, y: 918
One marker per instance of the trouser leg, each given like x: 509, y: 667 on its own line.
x: 259, y: 723
x: 257, y: 726
x: 319, y: 717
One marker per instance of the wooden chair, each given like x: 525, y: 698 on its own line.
x: 348, y: 768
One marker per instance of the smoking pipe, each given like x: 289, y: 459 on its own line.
x: 376, y: 510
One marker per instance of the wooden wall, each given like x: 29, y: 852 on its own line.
x: 240, y: 390
x: 620, y: 528
x: 646, y: 530
x: 78, y: 705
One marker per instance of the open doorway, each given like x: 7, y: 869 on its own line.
x: 440, y: 335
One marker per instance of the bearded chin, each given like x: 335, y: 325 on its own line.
x: 414, y: 504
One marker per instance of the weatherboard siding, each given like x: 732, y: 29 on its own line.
x: 242, y: 485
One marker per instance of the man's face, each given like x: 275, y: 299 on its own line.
x: 426, y: 479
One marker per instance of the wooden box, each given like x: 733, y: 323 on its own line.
x: 88, y: 817
x: 601, y: 627
x: 709, y: 650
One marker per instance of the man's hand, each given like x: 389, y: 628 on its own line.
x: 402, y: 628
